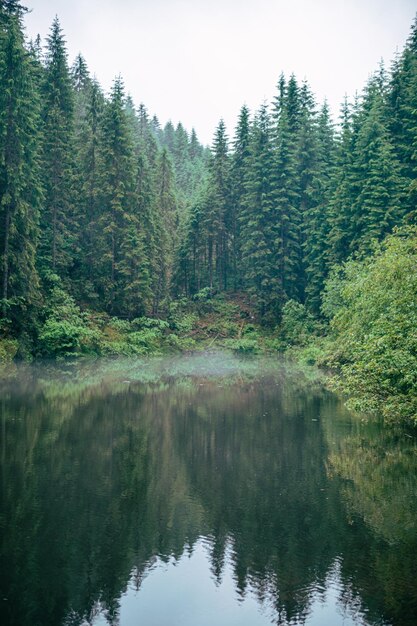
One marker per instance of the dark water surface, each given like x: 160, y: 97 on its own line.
x: 200, y: 491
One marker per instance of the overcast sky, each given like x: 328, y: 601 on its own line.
x: 196, y: 61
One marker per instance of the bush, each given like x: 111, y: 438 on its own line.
x: 243, y: 346
x: 148, y: 341
x: 66, y: 338
x: 204, y: 294
x: 375, y: 329
x: 297, y: 324
x: 180, y: 343
x: 148, y: 322
x: 8, y: 350
x: 184, y: 322
x: 66, y: 331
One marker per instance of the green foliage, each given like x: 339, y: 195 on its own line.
x: 65, y: 338
x: 244, y: 345
x: 59, y: 231
x: 65, y: 331
x: 203, y: 295
x: 184, y: 344
x: 118, y: 215
x: 297, y: 324
x: 8, y: 350
x: 182, y: 317
x: 375, y: 337
x: 20, y: 176
x: 315, y: 352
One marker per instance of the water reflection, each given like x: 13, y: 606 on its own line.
x: 123, y: 480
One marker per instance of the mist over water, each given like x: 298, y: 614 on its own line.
x: 200, y: 490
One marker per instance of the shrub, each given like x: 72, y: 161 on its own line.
x: 65, y: 338
x: 243, y: 346
x: 375, y: 329
x: 8, y: 350
x: 65, y: 331
x: 297, y: 324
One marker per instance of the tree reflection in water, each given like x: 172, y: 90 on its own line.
x: 113, y: 467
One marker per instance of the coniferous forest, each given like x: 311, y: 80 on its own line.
x: 117, y: 233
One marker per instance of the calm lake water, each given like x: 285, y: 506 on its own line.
x: 200, y: 491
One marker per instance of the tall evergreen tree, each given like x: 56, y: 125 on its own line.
x: 167, y: 220
x: 58, y: 218
x: 239, y: 176
x: 378, y: 205
x: 317, y: 223
x: 88, y: 137
x: 286, y: 186
x: 218, y: 215
x: 308, y: 174
x: 367, y: 200
x: 124, y: 276
x: 259, y: 221
x: 344, y: 190
x: 20, y: 185
x: 402, y: 118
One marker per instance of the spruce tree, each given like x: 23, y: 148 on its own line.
x: 58, y: 218
x: 89, y: 187
x: 123, y: 265
x: 259, y: 222
x: 286, y: 189
x: 317, y: 223
x: 20, y: 184
x: 167, y: 220
x: 308, y: 174
x: 239, y: 175
x: 218, y: 217
x: 378, y: 206
x: 344, y: 190
x: 402, y: 119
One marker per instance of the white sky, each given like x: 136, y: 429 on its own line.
x: 196, y: 61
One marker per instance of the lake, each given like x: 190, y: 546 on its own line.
x: 200, y: 490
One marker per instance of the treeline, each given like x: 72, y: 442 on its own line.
x: 294, y: 196
x: 93, y: 191
x: 102, y: 210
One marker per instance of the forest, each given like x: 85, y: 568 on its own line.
x: 294, y: 234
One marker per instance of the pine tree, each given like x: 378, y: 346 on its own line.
x: 367, y: 199
x: 58, y: 218
x: 88, y: 176
x: 80, y: 74
x: 20, y: 185
x: 344, y: 191
x: 123, y: 271
x: 239, y: 175
x: 146, y: 140
x: 308, y: 173
x: 196, y: 168
x: 156, y: 130
x: 258, y: 222
x: 286, y: 189
x: 402, y: 119
x: 218, y: 217
x: 169, y: 136
x: 192, y: 271
x: 181, y: 158
x: 378, y: 205
x: 317, y: 223
x: 167, y: 221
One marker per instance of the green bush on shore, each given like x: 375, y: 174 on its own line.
x: 374, y: 329
x: 8, y: 350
